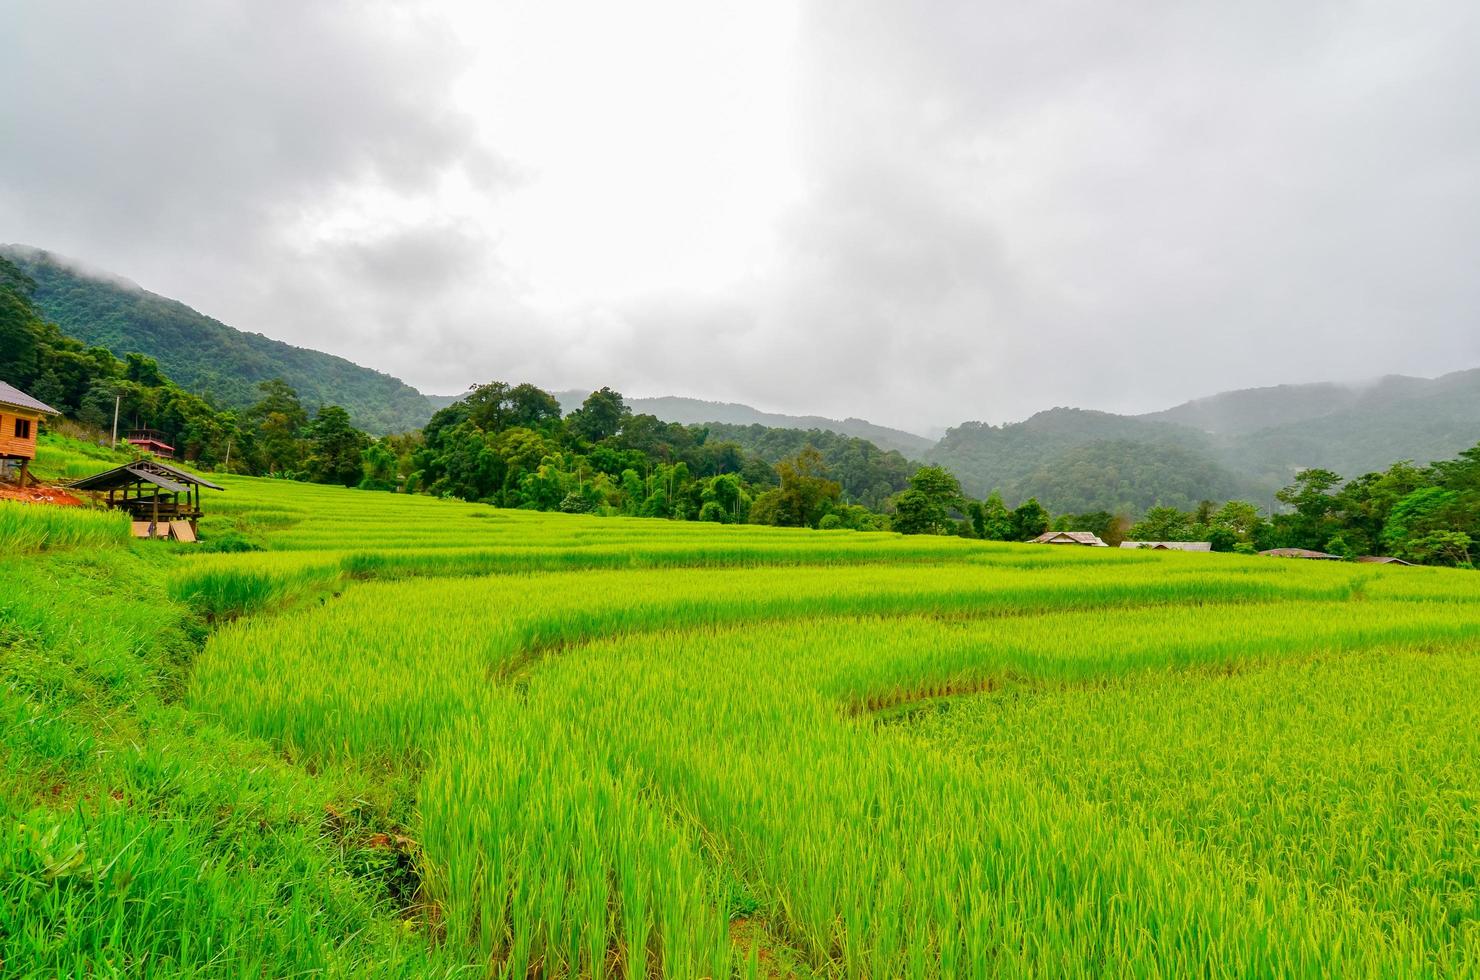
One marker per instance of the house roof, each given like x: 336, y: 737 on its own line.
x: 1382, y: 560
x: 171, y: 478
x: 1070, y: 537
x: 1299, y: 553
x: 15, y: 398
x: 1170, y: 545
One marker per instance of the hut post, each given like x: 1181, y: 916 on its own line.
x: 154, y: 522
x: 25, y: 471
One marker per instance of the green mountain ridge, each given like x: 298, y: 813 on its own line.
x: 696, y: 411
x: 205, y: 355
x: 1246, y: 442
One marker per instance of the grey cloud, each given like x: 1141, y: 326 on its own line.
x: 1005, y: 206
x: 181, y: 144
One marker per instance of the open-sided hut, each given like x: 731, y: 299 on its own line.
x: 151, y: 491
x: 20, y: 419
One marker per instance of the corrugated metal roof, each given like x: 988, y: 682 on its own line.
x: 1170, y: 545
x: 13, y: 396
x: 159, y: 481
x: 1088, y: 538
x: 149, y: 470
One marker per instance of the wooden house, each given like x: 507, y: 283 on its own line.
x: 1087, y: 539
x: 1300, y: 553
x: 1169, y: 545
x: 150, y: 491
x: 20, y: 421
x: 150, y: 441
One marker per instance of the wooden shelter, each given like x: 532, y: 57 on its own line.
x: 1169, y: 545
x: 151, y: 441
x: 1299, y: 553
x: 1087, y: 539
x: 151, y: 490
x: 20, y: 420
x: 1382, y: 560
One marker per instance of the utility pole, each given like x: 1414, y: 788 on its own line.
x: 116, y: 400
x: 228, y: 455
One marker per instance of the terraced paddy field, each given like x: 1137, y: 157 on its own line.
x: 417, y: 737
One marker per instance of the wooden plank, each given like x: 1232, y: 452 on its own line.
x: 11, y: 446
x: 182, y: 531
x: 141, y: 529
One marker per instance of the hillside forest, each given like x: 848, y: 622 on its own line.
x: 512, y: 445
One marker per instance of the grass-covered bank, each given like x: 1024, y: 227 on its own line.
x: 375, y: 734
x: 137, y: 838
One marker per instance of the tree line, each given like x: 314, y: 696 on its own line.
x: 510, y: 445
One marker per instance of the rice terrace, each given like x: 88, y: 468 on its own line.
x: 683, y: 490
x: 422, y: 737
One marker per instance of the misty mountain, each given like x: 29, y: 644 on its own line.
x: 1238, y: 443
x: 1400, y: 418
x: 1249, y: 410
x: 205, y: 355
x: 1125, y: 477
x: 690, y: 411
x: 1013, y: 457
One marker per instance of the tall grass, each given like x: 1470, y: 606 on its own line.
x: 26, y: 528
x: 625, y: 737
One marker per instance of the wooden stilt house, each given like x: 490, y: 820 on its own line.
x: 151, y: 441
x: 20, y: 420
x: 151, y: 491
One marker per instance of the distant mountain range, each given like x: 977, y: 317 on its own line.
x: 690, y: 411
x: 1238, y: 443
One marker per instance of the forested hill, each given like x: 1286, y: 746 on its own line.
x: 869, y: 474
x: 1248, y: 410
x: 690, y: 411
x: 1035, y: 457
x: 207, y: 356
x: 1252, y: 440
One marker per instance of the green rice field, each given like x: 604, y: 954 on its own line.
x: 370, y: 734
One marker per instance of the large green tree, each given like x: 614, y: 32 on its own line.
x: 805, y: 493
x: 925, y: 508
x: 335, y: 448
x: 600, y: 416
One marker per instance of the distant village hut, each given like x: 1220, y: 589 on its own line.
x: 1382, y: 560
x: 1169, y: 545
x: 151, y: 441
x: 1087, y: 539
x: 1300, y: 553
x: 151, y: 492
x: 20, y: 420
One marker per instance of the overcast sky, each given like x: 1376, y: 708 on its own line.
x: 912, y: 212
